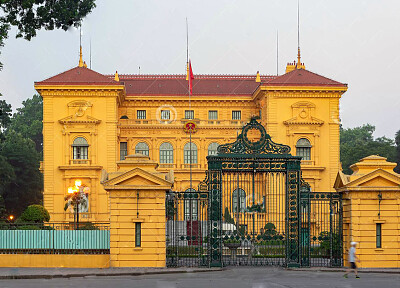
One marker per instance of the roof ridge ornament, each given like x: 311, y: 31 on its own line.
x: 244, y: 145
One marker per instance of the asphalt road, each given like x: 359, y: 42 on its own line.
x: 254, y: 277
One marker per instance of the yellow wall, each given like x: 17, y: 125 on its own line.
x: 123, y: 252
x: 137, y: 195
x: 70, y: 112
x: 362, y: 211
x: 54, y: 261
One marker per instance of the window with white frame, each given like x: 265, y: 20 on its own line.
x: 142, y: 148
x: 189, y: 114
x: 166, y: 153
x: 165, y: 114
x: 141, y: 114
x: 80, y: 148
x: 236, y: 115
x: 190, y: 151
x: 213, y: 115
x: 212, y: 149
x: 238, y: 200
x: 303, y: 149
x: 123, y: 150
x: 191, y: 206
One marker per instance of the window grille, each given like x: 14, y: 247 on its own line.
x: 141, y: 114
x: 189, y: 114
x: 236, y: 115
x: 212, y: 115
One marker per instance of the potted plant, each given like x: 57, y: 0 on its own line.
x: 232, y: 243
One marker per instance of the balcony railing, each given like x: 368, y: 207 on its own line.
x: 79, y: 162
x: 187, y: 166
x: 307, y: 162
x: 180, y: 122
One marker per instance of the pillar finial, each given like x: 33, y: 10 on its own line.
x: 298, y: 58
x: 116, y: 77
x: 80, y: 57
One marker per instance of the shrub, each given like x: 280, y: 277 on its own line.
x: 34, y: 214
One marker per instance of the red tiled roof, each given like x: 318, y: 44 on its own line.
x: 202, y: 84
x: 302, y: 77
x: 79, y: 76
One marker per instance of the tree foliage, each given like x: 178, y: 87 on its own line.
x: 28, y: 121
x: 27, y: 182
x: 358, y: 142
x: 5, y: 116
x: 397, y: 141
x: 34, y: 214
x: 29, y: 16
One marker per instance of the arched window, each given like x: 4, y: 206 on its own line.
x: 303, y: 149
x: 212, y: 149
x: 187, y: 152
x: 80, y: 148
x: 238, y: 200
x: 166, y: 153
x: 191, y: 206
x: 124, y: 117
x: 142, y: 148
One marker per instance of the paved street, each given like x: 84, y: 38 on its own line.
x: 254, y: 277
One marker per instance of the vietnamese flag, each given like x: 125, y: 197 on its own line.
x: 190, y: 77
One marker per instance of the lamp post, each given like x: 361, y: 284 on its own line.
x: 75, y: 198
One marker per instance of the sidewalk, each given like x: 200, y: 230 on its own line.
x: 48, y: 273
x: 360, y: 270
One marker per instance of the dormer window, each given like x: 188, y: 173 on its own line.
x: 80, y: 148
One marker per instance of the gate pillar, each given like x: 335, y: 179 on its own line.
x: 293, y: 226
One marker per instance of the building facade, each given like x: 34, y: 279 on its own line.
x: 92, y: 121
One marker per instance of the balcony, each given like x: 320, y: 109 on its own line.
x: 179, y: 122
x: 79, y: 162
x: 187, y: 166
x: 166, y: 166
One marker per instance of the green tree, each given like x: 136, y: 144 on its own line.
x: 28, y: 16
x: 34, y: 214
x: 358, y: 142
x: 397, y: 140
x: 227, y: 216
x: 28, y: 121
x: 26, y: 187
x: 5, y: 116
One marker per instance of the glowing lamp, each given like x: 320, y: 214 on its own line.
x: 78, y: 183
x: 11, y: 217
x: 70, y: 190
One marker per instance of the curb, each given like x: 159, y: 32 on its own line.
x: 71, y: 275
x: 344, y: 270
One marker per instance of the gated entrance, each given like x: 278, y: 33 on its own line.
x: 253, y: 209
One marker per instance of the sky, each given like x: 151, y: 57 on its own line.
x: 351, y: 41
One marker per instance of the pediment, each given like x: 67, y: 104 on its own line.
x: 303, y: 121
x: 137, y: 177
x: 341, y: 180
x: 73, y: 119
x: 377, y: 178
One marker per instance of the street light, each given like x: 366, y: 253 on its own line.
x: 76, y: 196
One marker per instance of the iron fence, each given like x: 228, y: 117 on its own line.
x: 54, y: 238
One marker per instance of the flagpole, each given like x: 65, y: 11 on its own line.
x: 190, y: 106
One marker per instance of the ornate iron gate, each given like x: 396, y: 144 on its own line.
x: 248, y: 212
x: 321, y: 228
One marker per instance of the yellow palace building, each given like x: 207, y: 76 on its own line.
x: 91, y: 122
